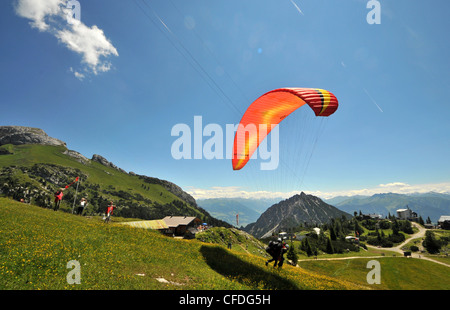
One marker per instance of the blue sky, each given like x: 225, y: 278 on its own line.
x: 116, y: 84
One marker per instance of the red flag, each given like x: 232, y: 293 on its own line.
x: 76, y: 180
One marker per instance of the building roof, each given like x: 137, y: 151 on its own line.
x: 444, y: 218
x: 154, y: 224
x: 175, y: 221
x: 402, y: 210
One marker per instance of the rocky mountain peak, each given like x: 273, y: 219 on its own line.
x: 18, y: 135
x: 291, y: 212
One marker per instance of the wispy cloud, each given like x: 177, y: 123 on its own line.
x: 234, y: 192
x: 393, y: 187
x: 90, y: 42
x: 77, y: 74
x: 297, y: 7
x: 373, y: 100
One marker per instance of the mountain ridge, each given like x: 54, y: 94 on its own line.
x: 430, y: 204
x: 33, y: 165
x: 292, y: 212
x: 19, y: 135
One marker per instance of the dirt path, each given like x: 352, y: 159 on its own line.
x: 397, y: 249
x: 417, y: 235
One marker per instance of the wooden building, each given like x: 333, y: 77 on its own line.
x: 180, y: 225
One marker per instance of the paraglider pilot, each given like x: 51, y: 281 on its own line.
x: 277, y: 249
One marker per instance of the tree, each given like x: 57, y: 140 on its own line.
x: 406, y: 227
x: 292, y: 254
x: 395, y: 228
x: 358, y: 229
x: 305, y: 246
x: 378, y: 235
x: 330, y: 249
x: 421, y: 221
x: 430, y: 243
x: 332, y: 233
x: 322, y: 237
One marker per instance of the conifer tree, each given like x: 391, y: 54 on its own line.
x: 292, y: 254
x: 332, y: 233
x: 430, y: 243
x: 330, y: 249
x: 307, y: 247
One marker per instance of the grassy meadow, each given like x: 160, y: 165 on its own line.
x: 396, y: 273
x: 36, y: 245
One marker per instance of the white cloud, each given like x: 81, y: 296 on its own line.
x: 90, y: 42
x: 38, y: 11
x: 77, y: 74
x: 234, y: 192
x: 394, y: 187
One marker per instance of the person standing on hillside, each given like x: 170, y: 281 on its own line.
x: 83, y: 204
x: 109, y: 211
x: 58, y: 197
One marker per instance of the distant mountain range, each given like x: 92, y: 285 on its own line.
x: 431, y: 204
x: 226, y: 209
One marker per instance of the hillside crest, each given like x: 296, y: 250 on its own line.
x: 51, y: 171
x: 18, y: 135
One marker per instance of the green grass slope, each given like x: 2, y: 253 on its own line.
x: 95, y: 173
x: 396, y: 273
x: 237, y: 239
x: 36, y: 245
x: 34, y: 172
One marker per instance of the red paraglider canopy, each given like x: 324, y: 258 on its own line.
x: 269, y: 110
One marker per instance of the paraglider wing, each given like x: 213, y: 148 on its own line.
x: 269, y: 110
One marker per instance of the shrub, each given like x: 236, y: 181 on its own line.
x: 396, y: 238
x: 430, y: 243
